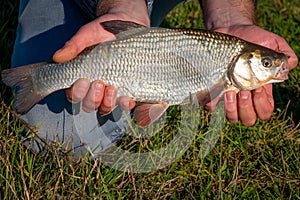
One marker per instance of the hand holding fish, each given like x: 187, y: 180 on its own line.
x: 237, y: 18
x: 96, y: 94
x: 260, y: 102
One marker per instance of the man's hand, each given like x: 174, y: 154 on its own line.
x: 96, y: 95
x: 236, y: 17
x: 247, y: 106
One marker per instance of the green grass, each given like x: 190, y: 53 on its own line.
x: 258, y: 162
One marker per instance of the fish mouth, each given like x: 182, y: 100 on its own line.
x: 282, y: 73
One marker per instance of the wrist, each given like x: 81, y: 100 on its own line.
x: 132, y: 10
x: 227, y: 13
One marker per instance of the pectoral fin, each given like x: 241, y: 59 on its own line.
x: 207, y: 95
x: 146, y: 114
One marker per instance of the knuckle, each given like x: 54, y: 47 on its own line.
x: 88, y: 108
x: 76, y: 96
x: 73, y: 97
x: 230, y: 109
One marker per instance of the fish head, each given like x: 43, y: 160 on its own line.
x: 257, y: 66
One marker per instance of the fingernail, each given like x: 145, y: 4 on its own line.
x: 244, y: 95
x: 110, y: 93
x: 83, y: 85
x: 229, y: 97
x: 99, y: 87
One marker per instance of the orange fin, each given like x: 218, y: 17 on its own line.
x: 146, y: 114
x: 206, y: 96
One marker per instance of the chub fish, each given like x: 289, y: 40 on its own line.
x: 159, y: 66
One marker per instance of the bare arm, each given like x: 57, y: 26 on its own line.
x: 134, y: 9
x: 227, y: 13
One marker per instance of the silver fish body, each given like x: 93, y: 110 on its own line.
x: 155, y: 65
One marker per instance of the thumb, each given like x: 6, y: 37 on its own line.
x: 66, y: 53
x: 88, y: 35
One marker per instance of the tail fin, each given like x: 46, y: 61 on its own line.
x: 20, y: 79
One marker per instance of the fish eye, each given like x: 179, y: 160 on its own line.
x: 267, y: 62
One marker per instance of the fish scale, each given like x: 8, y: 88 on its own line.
x: 155, y: 65
x: 170, y: 71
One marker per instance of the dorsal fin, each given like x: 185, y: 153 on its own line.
x: 122, y: 28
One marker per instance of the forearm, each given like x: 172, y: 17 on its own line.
x: 227, y: 13
x: 135, y: 9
